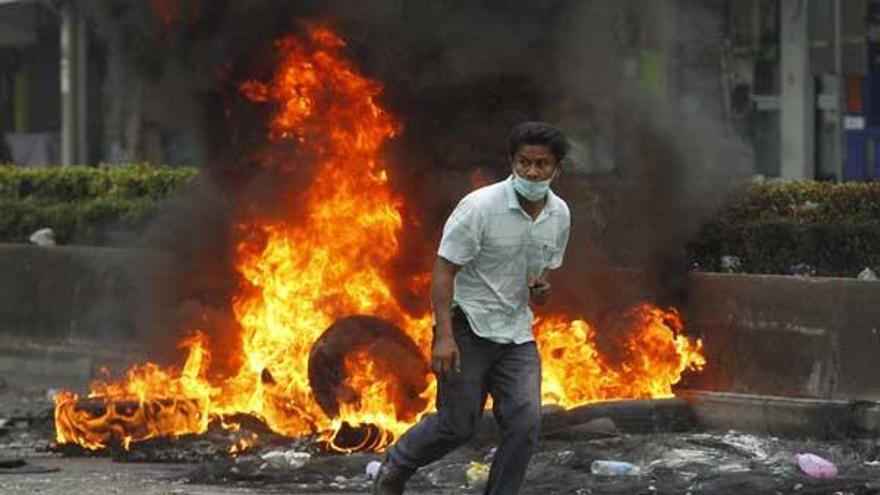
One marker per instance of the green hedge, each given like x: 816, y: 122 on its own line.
x: 81, y: 203
x: 806, y: 202
x: 79, y: 183
x: 834, y: 229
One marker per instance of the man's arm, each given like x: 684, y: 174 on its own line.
x: 444, y: 355
x: 459, y: 245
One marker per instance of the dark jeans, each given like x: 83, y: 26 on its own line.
x: 511, y: 373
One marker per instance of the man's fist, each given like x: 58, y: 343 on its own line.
x: 539, y: 292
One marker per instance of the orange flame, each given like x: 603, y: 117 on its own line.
x: 330, y: 261
x: 655, y: 354
x: 150, y: 402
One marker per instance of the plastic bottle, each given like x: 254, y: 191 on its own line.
x: 614, y: 468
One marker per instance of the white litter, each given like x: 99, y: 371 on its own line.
x: 286, y: 459
x: 373, y: 469
x: 731, y: 264
x: 43, y: 237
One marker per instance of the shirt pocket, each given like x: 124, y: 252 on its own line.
x: 542, y: 253
x: 498, y: 250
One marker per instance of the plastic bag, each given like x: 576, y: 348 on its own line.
x: 815, y: 466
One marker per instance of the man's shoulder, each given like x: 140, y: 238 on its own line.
x: 487, y: 196
x: 558, y: 205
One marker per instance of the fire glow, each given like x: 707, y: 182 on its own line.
x: 332, y: 260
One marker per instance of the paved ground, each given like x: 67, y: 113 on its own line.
x: 103, y: 476
x: 671, y: 463
x: 86, y: 476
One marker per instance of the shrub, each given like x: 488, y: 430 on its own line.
x: 832, y: 228
x: 79, y: 183
x: 83, y: 203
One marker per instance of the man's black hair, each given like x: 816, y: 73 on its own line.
x: 540, y: 133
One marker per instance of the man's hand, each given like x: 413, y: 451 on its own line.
x: 445, y: 356
x: 539, y: 291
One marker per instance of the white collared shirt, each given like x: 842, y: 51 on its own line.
x: 501, y: 249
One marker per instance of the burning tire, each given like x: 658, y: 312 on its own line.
x: 394, y: 359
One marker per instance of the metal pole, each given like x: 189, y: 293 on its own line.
x: 21, y: 101
x: 81, y: 68
x: 68, y: 97
x: 797, y: 98
x: 838, y: 73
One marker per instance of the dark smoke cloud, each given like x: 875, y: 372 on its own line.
x: 646, y: 170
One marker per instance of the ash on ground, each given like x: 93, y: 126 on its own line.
x: 27, y: 425
x: 669, y: 463
x: 673, y: 463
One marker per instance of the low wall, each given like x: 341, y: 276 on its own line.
x: 67, y: 311
x: 793, y: 336
x: 81, y: 293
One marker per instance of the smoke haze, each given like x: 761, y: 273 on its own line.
x: 652, y: 155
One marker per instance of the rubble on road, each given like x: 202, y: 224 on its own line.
x: 669, y: 463
x: 674, y: 461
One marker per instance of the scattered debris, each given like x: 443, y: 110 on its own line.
x: 731, y: 264
x: 43, y: 237
x: 372, y: 469
x: 490, y: 456
x: 801, y: 270
x: 614, y: 468
x: 686, y: 459
x: 598, y: 428
x: 671, y: 462
x: 286, y: 459
x: 747, y: 445
x: 477, y: 474
x: 809, y: 206
x: 51, y: 393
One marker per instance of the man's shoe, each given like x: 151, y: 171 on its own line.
x: 390, y: 479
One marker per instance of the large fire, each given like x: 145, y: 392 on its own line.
x: 328, y: 261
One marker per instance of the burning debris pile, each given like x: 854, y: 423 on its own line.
x: 324, y: 347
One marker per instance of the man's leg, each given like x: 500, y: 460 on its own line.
x: 515, y: 385
x: 461, y: 397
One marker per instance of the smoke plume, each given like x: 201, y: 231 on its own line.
x: 635, y: 86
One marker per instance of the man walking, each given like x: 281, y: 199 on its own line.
x: 497, y: 247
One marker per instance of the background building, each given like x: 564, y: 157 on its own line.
x: 798, y: 80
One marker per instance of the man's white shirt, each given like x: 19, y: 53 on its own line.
x: 501, y: 249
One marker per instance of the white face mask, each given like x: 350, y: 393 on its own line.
x: 531, y: 190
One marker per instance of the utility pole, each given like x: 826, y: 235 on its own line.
x: 68, y: 102
x: 81, y: 71
x: 74, y: 85
x: 797, y: 107
x: 841, y: 106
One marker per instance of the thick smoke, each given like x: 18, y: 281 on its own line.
x: 652, y: 154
